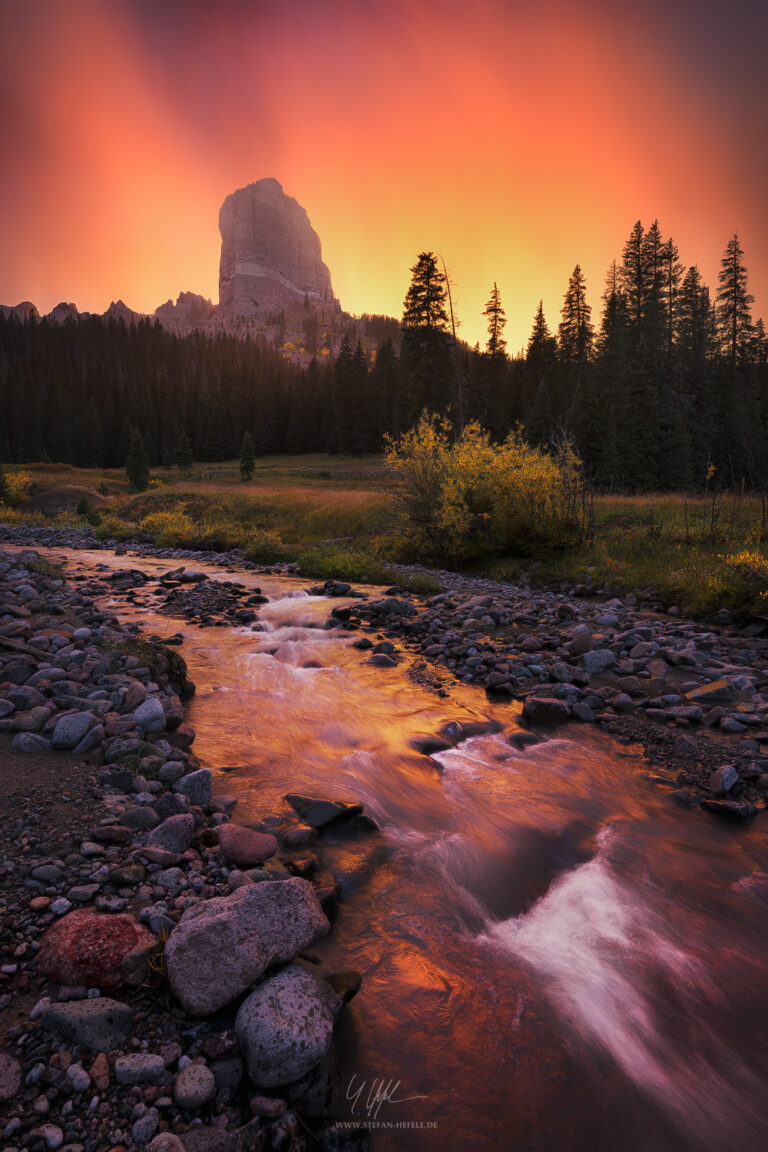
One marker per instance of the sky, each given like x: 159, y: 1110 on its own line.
x: 514, y: 137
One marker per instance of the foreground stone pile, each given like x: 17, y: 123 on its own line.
x: 145, y: 938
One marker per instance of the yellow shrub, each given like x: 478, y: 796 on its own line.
x: 168, y: 528
x: 464, y: 497
x: 18, y: 485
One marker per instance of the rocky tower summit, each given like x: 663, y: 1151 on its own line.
x: 270, y: 253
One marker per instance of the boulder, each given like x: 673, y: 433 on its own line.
x: 221, y: 946
x: 285, y: 1026
x: 71, y: 729
x: 150, y: 715
x: 174, y: 834
x: 244, y: 847
x: 723, y: 779
x: 93, y: 950
x: 545, y: 710
x: 197, y: 787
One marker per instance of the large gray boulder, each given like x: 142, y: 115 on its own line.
x: 220, y: 947
x: 285, y: 1027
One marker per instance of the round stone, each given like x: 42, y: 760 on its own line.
x: 195, y: 1086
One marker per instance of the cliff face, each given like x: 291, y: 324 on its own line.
x: 270, y: 253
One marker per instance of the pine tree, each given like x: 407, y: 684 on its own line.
x: 734, y: 304
x: 541, y: 417
x: 633, y: 274
x: 247, y: 457
x: 497, y: 318
x: 183, y: 455
x: 575, y: 335
x: 426, y: 347
x: 137, y: 464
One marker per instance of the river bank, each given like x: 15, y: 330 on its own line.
x: 111, y: 838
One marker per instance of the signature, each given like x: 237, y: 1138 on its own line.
x: 380, y: 1092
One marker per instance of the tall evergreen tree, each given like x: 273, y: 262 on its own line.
x: 497, y: 319
x: 137, y: 464
x: 426, y: 347
x: 575, y: 335
x: 734, y: 304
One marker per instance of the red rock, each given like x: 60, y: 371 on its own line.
x: 93, y: 950
x: 40, y: 903
x: 244, y: 847
x: 99, y: 1073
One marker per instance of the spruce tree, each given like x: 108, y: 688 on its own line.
x: 575, y: 335
x: 734, y: 304
x: 426, y: 348
x: 497, y: 318
x: 137, y: 464
x: 247, y: 457
x: 183, y: 455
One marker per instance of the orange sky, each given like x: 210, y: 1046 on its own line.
x: 516, y: 138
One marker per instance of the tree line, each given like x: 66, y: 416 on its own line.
x: 668, y: 384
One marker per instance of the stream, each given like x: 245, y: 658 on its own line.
x: 553, y: 955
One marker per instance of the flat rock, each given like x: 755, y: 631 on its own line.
x: 285, y: 1026
x: 221, y: 946
x: 100, y: 1024
x: 139, y: 1068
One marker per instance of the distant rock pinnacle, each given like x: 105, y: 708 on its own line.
x: 270, y: 253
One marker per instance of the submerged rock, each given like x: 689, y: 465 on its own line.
x: 317, y: 812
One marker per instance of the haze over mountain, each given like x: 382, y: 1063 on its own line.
x: 271, y: 275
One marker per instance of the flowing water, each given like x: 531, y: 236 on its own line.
x: 553, y: 956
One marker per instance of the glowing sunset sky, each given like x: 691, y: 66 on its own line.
x: 516, y: 138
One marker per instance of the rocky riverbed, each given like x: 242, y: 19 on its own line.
x: 125, y: 881
x: 156, y: 988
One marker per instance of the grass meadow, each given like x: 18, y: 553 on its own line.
x: 335, y: 515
